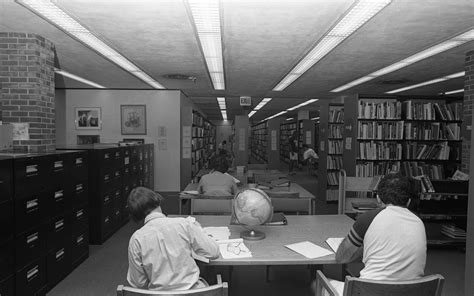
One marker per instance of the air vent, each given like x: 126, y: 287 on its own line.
x: 394, y: 81
x: 180, y: 77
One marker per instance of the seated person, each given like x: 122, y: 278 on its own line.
x: 309, y: 155
x: 160, y: 253
x: 217, y: 182
x: 391, y: 240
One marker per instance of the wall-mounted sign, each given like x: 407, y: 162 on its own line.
x: 245, y: 101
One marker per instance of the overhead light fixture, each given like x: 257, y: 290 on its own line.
x: 315, y: 118
x: 77, y: 78
x: 453, y: 92
x: 433, y: 81
x: 222, y: 106
x: 276, y: 115
x: 259, y: 106
x: 358, y: 15
x: 55, y: 15
x: 429, y: 52
x: 302, y: 104
x: 291, y: 118
x: 206, y: 18
x: 224, y: 114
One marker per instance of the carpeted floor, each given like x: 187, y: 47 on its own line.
x: 107, y: 264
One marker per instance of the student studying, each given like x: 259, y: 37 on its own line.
x: 217, y: 182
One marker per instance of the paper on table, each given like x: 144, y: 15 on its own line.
x: 234, y: 249
x: 334, y: 242
x: 194, y: 192
x: 309, y: 250
x: 218, y: 233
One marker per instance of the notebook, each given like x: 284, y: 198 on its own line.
x: 309, y: 250
x: 334, y: 242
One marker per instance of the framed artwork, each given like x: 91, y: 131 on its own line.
x: 88, y: 118
x: 133, y: 119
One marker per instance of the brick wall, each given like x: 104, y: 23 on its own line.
x: 468, y: 104
x: 27, y: 88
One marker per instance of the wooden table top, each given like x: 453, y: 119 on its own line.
x: 272, y: 251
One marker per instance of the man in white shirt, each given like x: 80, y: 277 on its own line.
x: 160, y: 253
x: 391, y: 240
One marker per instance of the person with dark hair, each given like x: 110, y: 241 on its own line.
x: 391, y: 240
x: 218, y: 182
x: 160, y: 253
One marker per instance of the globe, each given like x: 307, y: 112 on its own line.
x: 252, y: 207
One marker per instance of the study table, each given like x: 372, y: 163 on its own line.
x: 272, y: 251
x: 305, y: 198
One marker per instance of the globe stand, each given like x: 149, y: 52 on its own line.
x: 252, y: 235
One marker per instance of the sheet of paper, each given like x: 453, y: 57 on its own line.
x: 334, y: 242
x: 309, y: 250
x: 234, y: 249
x: 218, y: 233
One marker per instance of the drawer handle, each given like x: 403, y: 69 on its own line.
x: 32, y: 237
x: 106, y: 177
x: 31, y: 169
x: 106, y: 156
x: 58, y: 195
x: 79, y: 187
x: 78, y: 160
x: 106, y: 199
x: 117, y: 154
x: 59, y: 224
x: 58, y: 165
x: 117, y: 193
x: 32, y: 272
x: 117, y: 213
x: 126, y: 160
x: 117, y: 174
x: 79, y: 213
x: 60, y: 254
x: 106, y: 220
x: 32, y: 205
x: 79, y: 239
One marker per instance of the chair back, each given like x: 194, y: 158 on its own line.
x: 352, y: 184
x: 215, y: 205
x: 219, y: 289
x: 431, y: 285
x: 267, y: 177
x: 257, y: 166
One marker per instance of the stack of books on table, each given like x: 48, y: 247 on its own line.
x: 453, y: 231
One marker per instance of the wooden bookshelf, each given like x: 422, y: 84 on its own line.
x: 286, y: 130
x: 306, y: 133
x: 259, y: 142
x: 203, y: 142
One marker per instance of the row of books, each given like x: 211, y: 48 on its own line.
x: 432, y: 111
x: 333, y: 178
x: 334, y: 146
x: 370, y: 169
x: 432, y: 131
x: 413, y: 169
x: 425, y: 183
x: 332, y: 195
x: 202, y: 132
x: 379, y: 151
x: 453, y: 231
x: 336, y: 115
x: 335, y: 131
x: 379, y: 110
x: 198, y: 143
x: 380, y: 130
x: 334, y: 162
x: 415, y: 150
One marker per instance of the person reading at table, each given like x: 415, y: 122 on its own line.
x: 391, y: 240
x: 160, y: 253
x: 217, y: 182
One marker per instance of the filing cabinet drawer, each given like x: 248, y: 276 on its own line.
x: 31, y: 278
x: 118, y: 157
x: 79, y: 194
x: 6, y: 179
x: 59, y: 229
x: 117, y: 196
x: 29, y: 211
x: 30, y: 174
x: 7, y: 286
x: 107, y: 201
x: 57, y: 200
x: 58, y: 167
x: 58, y: 264
x: 117, y: 216
x: 117, y: 176
x: 107, y: 223
x: 127, y: 156
x: 106, y: 179
x: 105, y: 157
x: 125, y: 212
x: 7, y: 258
x: 126, y: 173
x: 79, y: 164
x: 79, y: 244
x: 6, y: 218
x: 30, y: 245
x: 134, y: 154
x: 80, y: 218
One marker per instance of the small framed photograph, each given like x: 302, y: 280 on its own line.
x: 133, y: 119
x: 88, y: 118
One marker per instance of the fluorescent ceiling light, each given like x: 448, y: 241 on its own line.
x: 278, y: 114
x: 224, y: 114
x: 252, y: 113
x: 315, y: 118
x: 77, y: 78
x: 302, y: 104
x: 453, y: 91
x: 357, y: 16
x: 221, y: 102
x: 55, y: 15
x: 291, y: 118
x: 433, y: 81
x: 206, y: 17
x: 429, y: 52
x: 259, y: 106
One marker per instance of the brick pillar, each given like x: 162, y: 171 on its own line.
x: 468, y: 104
x: 27, y: 88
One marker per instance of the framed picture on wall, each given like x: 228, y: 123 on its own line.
x: 88, y: 118
x: 133, y: 119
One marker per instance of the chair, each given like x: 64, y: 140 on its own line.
x: 354, y: 184
x: 219, y: 289
x: 257, y: 166
x: 430, y: 285
x: 208, y: 204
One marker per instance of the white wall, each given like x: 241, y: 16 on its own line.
x: 162, y: 109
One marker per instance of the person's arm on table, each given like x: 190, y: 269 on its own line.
x: 136, y: 276
x: 201, y: 243
x: 348, y: 252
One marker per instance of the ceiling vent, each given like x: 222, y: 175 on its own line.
x: 180, y: 77
x: 394, y: 81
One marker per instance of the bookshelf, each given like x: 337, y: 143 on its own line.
x: 306, y: 129
x: 203, y: 142
x: 259, y: 142
x: 286, y: 130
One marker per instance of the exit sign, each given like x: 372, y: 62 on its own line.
x: 245, y: 101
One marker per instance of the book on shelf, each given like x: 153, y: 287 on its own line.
x: 425, y: 182
x: 458, y: 175
x: 369, y: 109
